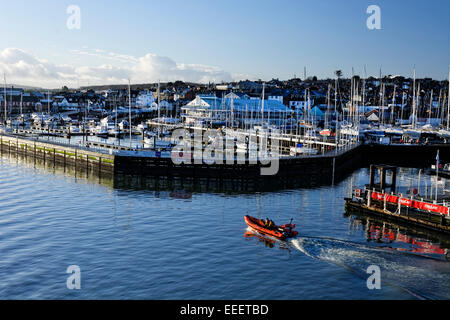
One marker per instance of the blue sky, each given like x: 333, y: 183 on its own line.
x: 210, y: 40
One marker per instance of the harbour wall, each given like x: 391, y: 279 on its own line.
x: 292, y: 171
x: 324, y: 169
x: 416, y: 156
x: 58, y: 154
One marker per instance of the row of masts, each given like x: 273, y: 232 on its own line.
x: 352, y: 115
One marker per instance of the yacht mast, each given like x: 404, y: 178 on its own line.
x: 363, y: 93
x: 417, y: 104
x: 431, y: 106
x: 393, y: 104
x: 448, y: 100
x: 328, y: 107
x: 262, y: 103
x: 115, y: 118
x: 159, y: 109
x: 129, y: 108
x: 414, y: 101
x: 5, y: 98
x: 403, y: 104
x: 336, y: 139
x: 382, y: 103
x: 48, y: 102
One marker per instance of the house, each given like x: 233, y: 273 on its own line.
x: 372, y: 116
x: 223, y: 87
x: 62, y: 103
x: 145, y: 99
x: 278, y: 98
x: 19, y: 101
x: 165, y: 105
x: 301, y: 105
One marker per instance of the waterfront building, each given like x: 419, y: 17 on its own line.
x: 145, y: 99
x: 301, y: 106
x: 243, y: 112
x: 62, y: 103
x: 12, y: 91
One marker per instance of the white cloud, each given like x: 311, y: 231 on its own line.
x: 24, y: 68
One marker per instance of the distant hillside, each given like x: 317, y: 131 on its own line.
x: 26, y: 88
x: 140, y: 86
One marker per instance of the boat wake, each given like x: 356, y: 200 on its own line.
x: 422, y: 277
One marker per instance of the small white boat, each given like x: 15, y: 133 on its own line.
x: 152, y: 141
x: 303, y: 151
x: 444, y: 133
x: 141, y: 127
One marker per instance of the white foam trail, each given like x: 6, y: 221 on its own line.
x: 420, y: 276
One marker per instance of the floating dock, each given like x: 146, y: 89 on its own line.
x: 380, y: 199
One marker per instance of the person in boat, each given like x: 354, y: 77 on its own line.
x: 269, y: 223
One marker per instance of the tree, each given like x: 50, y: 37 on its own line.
x: 338, y: 74
x: 65, y: 89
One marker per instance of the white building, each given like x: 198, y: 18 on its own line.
x: 209, y: 110
x: 277, y: 98
x: 301, y: 105
x: 165, y: 105
x: 145, y: 99
x: 61, y: 103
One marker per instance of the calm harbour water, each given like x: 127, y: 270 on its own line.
x: 167, y: 241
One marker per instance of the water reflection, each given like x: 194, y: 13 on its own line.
x: 81, y: 174
x: 267, y: 241
x: 401, y: 238
x: 226, y: 186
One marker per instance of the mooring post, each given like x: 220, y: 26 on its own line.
x: 382, y: 179
x: 394, y: 179
x: 372, y: 177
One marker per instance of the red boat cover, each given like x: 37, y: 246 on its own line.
x: 426, y: 206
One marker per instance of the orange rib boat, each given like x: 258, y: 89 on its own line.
x: 280, y: 232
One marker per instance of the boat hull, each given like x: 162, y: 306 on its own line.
x: 280, y: 232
